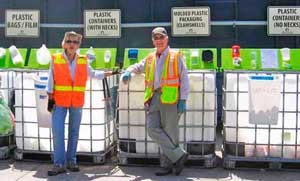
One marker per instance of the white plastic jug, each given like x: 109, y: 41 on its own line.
x: 43, y: 55
x: 15, y: 55
x: 285, y: 54
x: 90, y: 54
x: 194, y: 57
x: 253, y: 60
x: 107, y: 56
x: 2, y: 52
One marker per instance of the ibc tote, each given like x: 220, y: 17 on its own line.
x: 260, y: 128
x: 196, y: 126
x: 96, y: 136
x: 7, y: 141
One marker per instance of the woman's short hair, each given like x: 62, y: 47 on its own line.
x: 72, y: 34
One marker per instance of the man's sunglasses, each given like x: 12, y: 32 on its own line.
x: 158, y: 37
x: 70, y: 41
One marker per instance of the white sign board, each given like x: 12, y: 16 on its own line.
x: 190, y: 21
x: 22, y: 23
x: 102, y: 23
x: 283, y: 20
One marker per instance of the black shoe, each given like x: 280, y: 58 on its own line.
x: 179, y: 165
x: 56, y: 170
x: 73, y: 167
x: 164, y: 171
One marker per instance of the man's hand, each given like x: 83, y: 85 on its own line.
x: 50, y: 95
x: 126, y: 76
x: 181, y: 106
x: 51, y: 104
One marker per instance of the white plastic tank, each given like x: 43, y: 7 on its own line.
x: 201, y: 103
x: 93, y: 123
x: 267, y: 138
x: 35, y: 137
x: 6, y: 84
x: 132, y: 113
x: 94, y: 130
x: 202, y: 96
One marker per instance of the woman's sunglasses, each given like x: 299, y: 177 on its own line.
x: 70, y: 41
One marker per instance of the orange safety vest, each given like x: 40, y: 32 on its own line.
x: 68, y: 93
x: 169, y: 82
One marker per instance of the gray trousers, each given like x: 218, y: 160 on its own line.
x: 162, y: 125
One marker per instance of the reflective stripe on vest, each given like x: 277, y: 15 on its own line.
x: 170, y: 82
x: 69, y: 88
x: 60, y: 60
x: 170, y: 78
x: 68, y: 92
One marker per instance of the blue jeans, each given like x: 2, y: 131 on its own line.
x: 58, y: 131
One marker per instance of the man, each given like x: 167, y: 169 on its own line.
x: 166, y: 92
x: 66, y: 86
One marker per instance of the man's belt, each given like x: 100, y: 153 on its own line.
x: 157, y: 90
